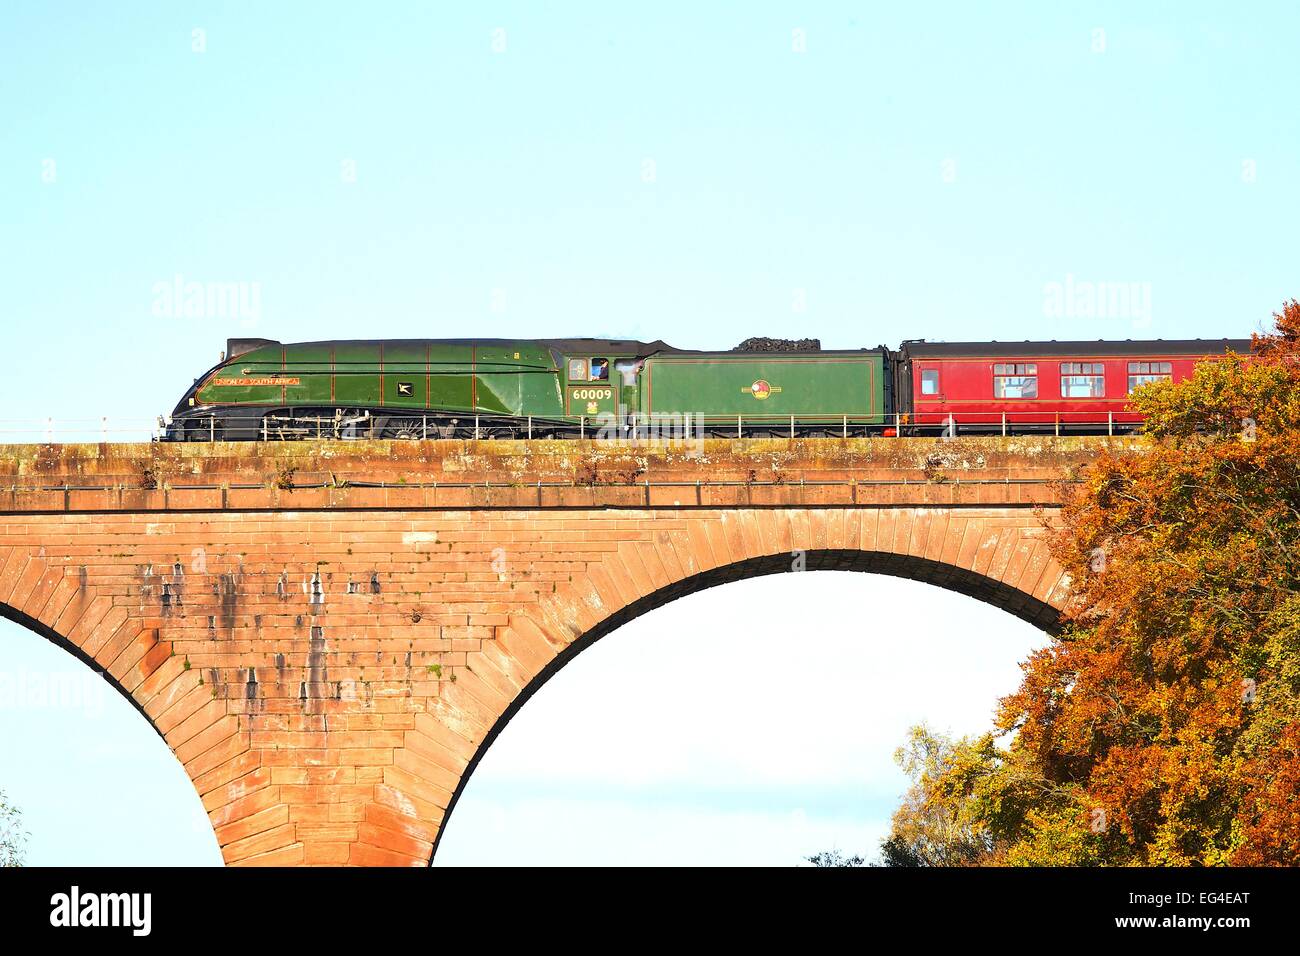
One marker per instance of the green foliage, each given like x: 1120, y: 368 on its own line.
x: 13, y: 838
x: 1163, y: 726
x: 834, y: 858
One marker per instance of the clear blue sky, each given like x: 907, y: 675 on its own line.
x: 676, y: 171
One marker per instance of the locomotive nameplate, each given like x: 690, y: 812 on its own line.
x: 265, y: 380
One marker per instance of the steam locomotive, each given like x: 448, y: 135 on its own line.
x: 264, y: 390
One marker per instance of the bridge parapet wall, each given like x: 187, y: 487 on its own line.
x: 523, y: 474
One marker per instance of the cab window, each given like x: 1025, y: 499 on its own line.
x: 577, y: 370
x: 600, y: 370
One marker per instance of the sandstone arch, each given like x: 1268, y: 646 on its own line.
x: 1003, y: 563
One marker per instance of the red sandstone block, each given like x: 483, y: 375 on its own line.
x: 153, y: 659
x: 143, y: 499
x: 751, y: 535
x: 427, y: 767
x: 803, y: 530
x: 456, y: 706
x: 1007, y: 543
x: 990, y: 541
x: 734, y: 532
x: 394, y: 840
x: 414, y: 786
x: 204, y: 498
x: 89, y: 619
x: 11, y: 558
x: 936, y: 533
x: 390, y: 818
x: 461, y: 746
x: 310, y: 813
x: 244, y: 806
x: 366, y: 756
x: 629, y: 557
x: 364, y: 855
x: 402, y: 802
x: 226, y: 772
x: 26, y: 583
x: 191, y: 696
x: 1054, y: 588
x: 297, y: 499
x: 487, y: 666
x: 326, y: 854
x: 37, y: 501
x: 313, y: 775
x: 252, y: 824
x: 404, y: 497
x: 323, y: 793
x: 446, y: 766
x: 491, y: 701
x: 64, y: 591
x: 228, y: 793
x: 918, y: 529
x: 118, y: 641
x: 524, y: 641
x: 1039, y: 558
x: 351, y: 811
x: 279, y: 838
x: 217, y: 735
x: 290, y: 740
x: 311, y: 833
x: 1018, y: 561
x: 292, y: 855
x: 836, y: 529
x: 134, y: 652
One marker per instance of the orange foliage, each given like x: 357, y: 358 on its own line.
x: 1163, y: 726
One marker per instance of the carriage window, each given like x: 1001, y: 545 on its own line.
x: 600, y: 370
x: 1139, y: 373
x: 1083, y: 380
x: 1015, y: 380
x: 930, y: 381
x: 577, y: 370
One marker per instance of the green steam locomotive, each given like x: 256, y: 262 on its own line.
x: 549, y: 388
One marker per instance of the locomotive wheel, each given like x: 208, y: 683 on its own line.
x: 404, y: 429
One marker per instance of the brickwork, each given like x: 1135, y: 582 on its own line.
x: 329, y: 638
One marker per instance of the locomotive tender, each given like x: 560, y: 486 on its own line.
x: 572, y: 388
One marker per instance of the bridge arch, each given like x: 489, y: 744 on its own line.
x: 359, y: 620
x: 56, y: 599
x: 1000, y: 560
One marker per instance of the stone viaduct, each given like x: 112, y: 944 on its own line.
x: 328, y: 636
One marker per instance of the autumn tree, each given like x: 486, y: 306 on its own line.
x: 1162, y: 726
x: 935, y: 826
x: 13, y: 839
x: 834, y: 858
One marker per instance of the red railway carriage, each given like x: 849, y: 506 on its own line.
x: 1047, y: 386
